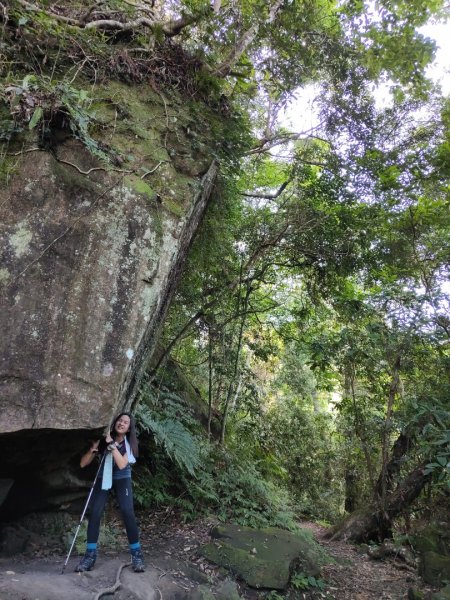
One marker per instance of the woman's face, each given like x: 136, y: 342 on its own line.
x: 122, y: 425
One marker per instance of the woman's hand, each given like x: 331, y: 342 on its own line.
x: 88, y: 457
x: 110, y: 444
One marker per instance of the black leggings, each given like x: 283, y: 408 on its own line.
x: 124, y: 494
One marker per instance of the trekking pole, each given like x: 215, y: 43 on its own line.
x: 83, y: 513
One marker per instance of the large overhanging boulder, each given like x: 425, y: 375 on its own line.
x: 87, y: 273
x: 90, y: 259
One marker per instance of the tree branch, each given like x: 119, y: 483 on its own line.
x: 173, y: 27
x: 267, y: 196
x: 34, y: 8
x: 244, y: 42
x: 170, y: 28
x: 268, y: 142
x: 229, y: 286
x: 112, y: 24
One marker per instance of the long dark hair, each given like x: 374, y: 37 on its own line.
x: 131, y: 435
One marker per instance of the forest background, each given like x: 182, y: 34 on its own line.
x: 312, y: 315
x: 310, y: 331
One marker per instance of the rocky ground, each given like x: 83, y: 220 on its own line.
x: 175, y: 571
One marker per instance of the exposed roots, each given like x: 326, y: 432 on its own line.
x: 33, y: 44
x: 117, y: 584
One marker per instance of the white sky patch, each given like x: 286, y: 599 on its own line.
x: 439, y: 71
x: 302, y: 114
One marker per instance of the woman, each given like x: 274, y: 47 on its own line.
x: 120, y: 447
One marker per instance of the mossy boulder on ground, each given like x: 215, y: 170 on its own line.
x: 435, y: 568
x: 443, y: 594
x: 264, y: 558
x: 434, y: 538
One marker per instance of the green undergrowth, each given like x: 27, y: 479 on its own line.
x: 107, y: 537
x: 179, y: 468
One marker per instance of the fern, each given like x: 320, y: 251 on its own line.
x: 179, y: 444
x: 170, y: 406
x: 50, y: 99
x: 206, y: 477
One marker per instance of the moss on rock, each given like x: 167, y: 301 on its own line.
x: 435, y: 568
x: 443, y: 594
x: 141, y: 187
x: 264, y: 558
x: 433, y: 539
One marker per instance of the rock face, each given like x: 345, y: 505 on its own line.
x: 90, y: 257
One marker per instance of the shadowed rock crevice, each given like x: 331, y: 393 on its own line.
x: 43, y: 468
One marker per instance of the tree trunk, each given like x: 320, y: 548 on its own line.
x: 375, y: 524
x: 210, y: 380
x: 383, y: 483
x: 350, y: 490
x: 392, y: 469
x: 235, y: 375
x: 244, y: 42
x: 358, y: 422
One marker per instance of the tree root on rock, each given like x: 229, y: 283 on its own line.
x: 116, y: 585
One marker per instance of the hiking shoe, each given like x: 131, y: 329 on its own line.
x: 137, y: 561
x: 87, y: 562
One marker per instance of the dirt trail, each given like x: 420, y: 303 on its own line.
x: 356, y: 576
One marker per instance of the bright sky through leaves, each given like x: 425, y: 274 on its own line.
x: 302, y: 113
